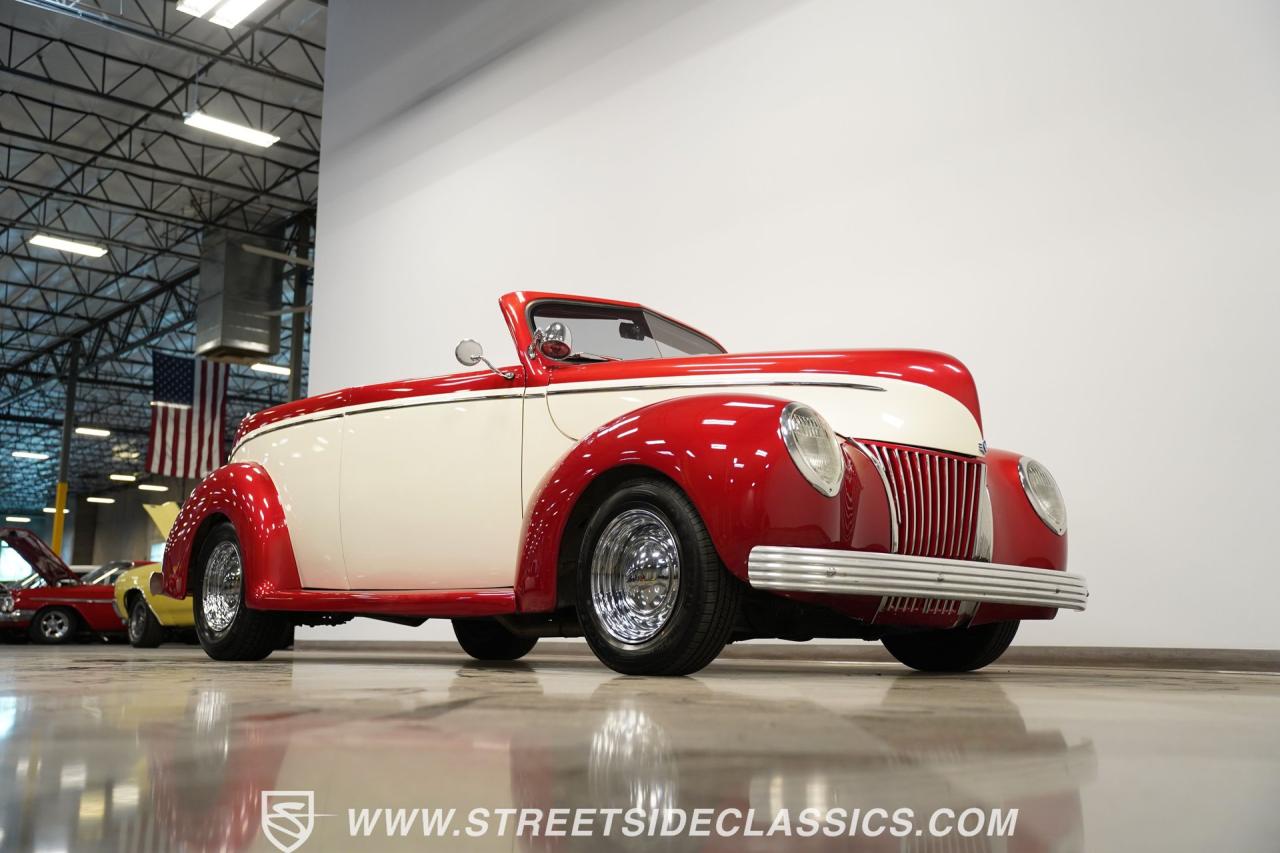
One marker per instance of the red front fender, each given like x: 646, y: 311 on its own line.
x: 726, y: 453
x: 243, y: 494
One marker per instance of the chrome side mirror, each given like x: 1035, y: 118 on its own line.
x: 469, y: 353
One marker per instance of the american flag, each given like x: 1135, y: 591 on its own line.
x: 188, y: 415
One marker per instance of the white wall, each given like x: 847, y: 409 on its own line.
x: 1080, y: 200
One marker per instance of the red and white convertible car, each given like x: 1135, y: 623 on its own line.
x: 631, y: 482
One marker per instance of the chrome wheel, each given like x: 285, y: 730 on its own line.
x: 635, y: 575
x: 137, y: 622
x: 55, y: 625
x: 221, y: 588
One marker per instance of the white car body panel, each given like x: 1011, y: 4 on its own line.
x: 431, y: 494
x: 304, y: 461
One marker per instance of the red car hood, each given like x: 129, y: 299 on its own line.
x: 38, y: 555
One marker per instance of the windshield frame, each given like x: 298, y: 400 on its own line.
x: 603, y: 305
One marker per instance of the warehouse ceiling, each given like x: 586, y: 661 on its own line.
x: 93, y: 148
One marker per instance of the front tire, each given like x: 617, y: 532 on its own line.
x: 227, y: 628
x: 653, y: 597
x: 54, y: 626
x: 487, y: 639
x: 145, y: 630
x: 953, y: 649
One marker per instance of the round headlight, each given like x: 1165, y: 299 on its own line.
x: 1044, y: 494
x: 813, y: 447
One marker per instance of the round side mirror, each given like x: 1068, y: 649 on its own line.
x: 468, y: 352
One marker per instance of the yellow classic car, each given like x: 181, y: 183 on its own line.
x: 150, y: 619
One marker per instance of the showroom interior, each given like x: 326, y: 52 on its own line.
x: 333, y: 520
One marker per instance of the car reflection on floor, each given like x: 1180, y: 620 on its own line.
x: 170, y: 752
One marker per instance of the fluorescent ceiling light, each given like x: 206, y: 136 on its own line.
x: 229, y: 128
x: 51, y: 510
x: 197, y: 7
x: 123, y: 478
x: 50, y: 242
x: 27, y: 454
x: 17, y: 519
x: 264, y: 367
x: 98, y: 500
x: 233, y: 12
x: 93, y: 431
x: 152, y: 487
x: 163, y: 404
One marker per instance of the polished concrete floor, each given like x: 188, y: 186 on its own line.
x: 108, y: 748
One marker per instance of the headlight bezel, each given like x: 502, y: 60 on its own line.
x: 828, y: 486
x: 1031, y: 473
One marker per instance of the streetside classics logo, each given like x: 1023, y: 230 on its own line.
x: 288, y: 818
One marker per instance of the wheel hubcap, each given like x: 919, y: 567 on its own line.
x: 635, y: 575
x: 222, y: 582
x: 55, y: 625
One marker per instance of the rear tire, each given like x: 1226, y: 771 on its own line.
x: 954, y: 649
x: 145, y: 630
x: 653, y: 597
x: 487, y: 639
x: 227, y: 628
x: 54, y: 626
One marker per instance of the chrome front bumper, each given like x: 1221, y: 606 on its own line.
x: 13, y: 617
x: 864, y: 573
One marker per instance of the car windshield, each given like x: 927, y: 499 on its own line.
x: 31, y: 581
x: 592, y: 332
x: 105, y: 573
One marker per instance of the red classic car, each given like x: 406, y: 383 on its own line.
x: 631, y: 482
x: 55, y: 604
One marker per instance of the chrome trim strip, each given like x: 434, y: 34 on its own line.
x: 894, y: 519
x: 552, y: 390
x: 863, y: 573
x: 43, y: 601
x: 411, y: 403
x: 415, y: 402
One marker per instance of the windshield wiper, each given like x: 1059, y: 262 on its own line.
x: 588, y: 357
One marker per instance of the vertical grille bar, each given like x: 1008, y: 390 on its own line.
x: 937, y: 498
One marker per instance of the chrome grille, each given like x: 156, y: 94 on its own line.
x: 936, y: 498
x: 898, y: 604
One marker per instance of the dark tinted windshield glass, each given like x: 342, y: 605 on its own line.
x: 613, y: 333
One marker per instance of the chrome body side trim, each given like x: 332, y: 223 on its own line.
x: 623, y: 385
x: 439, y: 399
x: 42, y: 601
x: 864, y: 573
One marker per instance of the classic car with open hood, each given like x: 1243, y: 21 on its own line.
x: 55, y: 604
x: 631, y: 482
